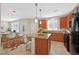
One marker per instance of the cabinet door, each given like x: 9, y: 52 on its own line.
x: 43, y: 24
x: 57, y: 37
x: 63, y: 22
x: 41, y: 46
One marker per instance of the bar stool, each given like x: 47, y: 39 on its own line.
x: 28, y: 44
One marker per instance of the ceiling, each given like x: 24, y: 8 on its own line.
x: 28, y: 10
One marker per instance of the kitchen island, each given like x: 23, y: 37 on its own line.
x: 41, y: 43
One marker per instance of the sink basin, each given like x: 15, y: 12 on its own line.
x: 47, y: 32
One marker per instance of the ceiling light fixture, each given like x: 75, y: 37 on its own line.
x: 40, y: 12
x: 13, y: 11
x: 40, y: 22
x: 36, y: 20
x: 40, y: 16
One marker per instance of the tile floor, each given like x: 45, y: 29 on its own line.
x: 57, y: 48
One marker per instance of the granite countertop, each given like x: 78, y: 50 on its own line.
x: 39, y: 35
x: 57, y: 31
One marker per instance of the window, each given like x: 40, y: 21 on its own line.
x: 53, y: 24
x: 15, y: 26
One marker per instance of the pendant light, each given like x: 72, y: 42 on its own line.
x: 36, y: 20
x: 40, y: 16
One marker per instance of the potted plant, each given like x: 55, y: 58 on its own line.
x: 41, y: 30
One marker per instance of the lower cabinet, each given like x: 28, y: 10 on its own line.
x: 57, y: 36
x: 42, y: 46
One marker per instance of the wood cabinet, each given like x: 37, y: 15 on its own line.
x: 43, y: 24
x: 57, y: 36
x: 42, y: 46
x: 65, y: 21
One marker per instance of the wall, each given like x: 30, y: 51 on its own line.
x: 26, y: 25
x: 34, y: 26
x: 29, y: 25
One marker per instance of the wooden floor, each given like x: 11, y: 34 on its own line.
x: 57, y: 48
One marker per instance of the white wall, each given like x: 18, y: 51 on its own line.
x: 34, y: 26
x: 29, y: 25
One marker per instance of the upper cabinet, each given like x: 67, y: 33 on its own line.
x: 42, y: 24
x: 65, y: 21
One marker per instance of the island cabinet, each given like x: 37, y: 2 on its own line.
x: 42, y: 46
x: 40, y: 43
